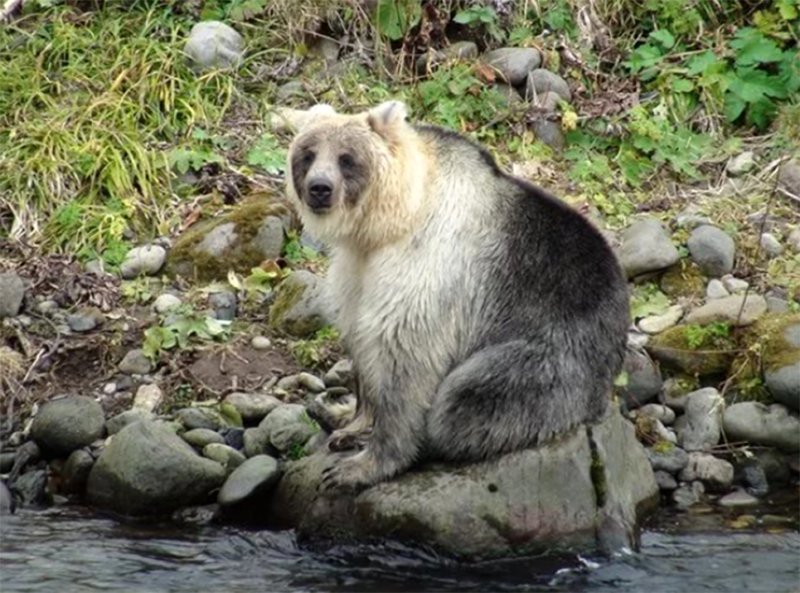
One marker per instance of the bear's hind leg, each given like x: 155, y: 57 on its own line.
x: 509, y: 397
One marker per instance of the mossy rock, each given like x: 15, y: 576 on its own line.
x: 683, y: 280
x: 239, y: 241
x: 299, y: 308
x: 674, y: 349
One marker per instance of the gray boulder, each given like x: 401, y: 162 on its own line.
x: 542, y: 81
x: 646, y: 247
x: 12, y: 293
x: 715, y: 474
x: 67, y: 424
x: 300, y: 306
x: 755, y: 423
x: 252, y: 479
x: 146, y: 260
x: 703, y: 419
x: 148, y: 470
x: 513, y: 64
x: 213, y: 44
x: 669, y: 459
x: 588, y: 489
x: 712, y: 249
x: 644, y: 379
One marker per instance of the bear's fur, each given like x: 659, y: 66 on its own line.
x: 483, y: 315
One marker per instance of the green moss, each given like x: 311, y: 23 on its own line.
x: 683, y: 280
x: 241, y: 256
x: 678, y: 348
x: 663, y: 447
x: 289, y: 293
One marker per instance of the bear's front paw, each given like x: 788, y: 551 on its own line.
x: 348, y: 474
x: 345, y: 440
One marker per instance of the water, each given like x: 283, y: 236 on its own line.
x: 70, y: 549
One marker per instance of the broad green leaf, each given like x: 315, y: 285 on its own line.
x: 664, y: 37
x: 698, y: 64
x: 733, y: 107
x: 681, y: 85
x: 754, y: 48
x: 751, y: 85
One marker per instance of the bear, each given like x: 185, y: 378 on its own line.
x: 482, y: 314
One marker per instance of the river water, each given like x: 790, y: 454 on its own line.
x: 72, y: 549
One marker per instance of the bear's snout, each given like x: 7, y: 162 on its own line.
x: 319, y: 193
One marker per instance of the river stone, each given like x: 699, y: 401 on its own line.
x: 256, y: 441
x: 254, y: 478
x: 715, y: 474
x: 147, y: 469
x: 121, y: 420
x: 662, y: 413
x: 734, y: 285
x: 31, y: 488
x: 63, y: 425
x: 148, y: 398
x: 339, y: 374
x: 547, y: 101
x: 224, y: 304
x: 509, y: 94
x: 513, y: 63
x: 757, y: 424
x: 212, y: 45
x: 7, y: 503
x: 166, y: 302
x: 542, y: 81
x: 85, y: 319
x: 656, y: 324
x: 789, y: 176
x: 738, y: 499
x: 712, y: 249
x: 669, y: 459
x: 729, y: 310
x: 300, y: 308
x: 226, y: 456
x: 549, y: 133
x: 135, y: 362
x: 688, y: 495
x: 783, y: 382
x: 716, y: 290
x: 146, y: 260
x: 253, y: 406
x: 741, y: 164
x: 646, y: 248
x: 75, y: 473
x: 771, y: 246
x: 703, y: 419
x: 794, y: 240
x: 261, y: 343
x: 198, y: 418
x: 665, y: 481
x: 311, y: 382
x: 644, y: 379
x: 200, y: 437
x: 12, y: 293
x: 587, y: 489
x: 288, y: 426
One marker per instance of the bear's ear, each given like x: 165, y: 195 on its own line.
x: 387, y: 117
x: 295, y: 120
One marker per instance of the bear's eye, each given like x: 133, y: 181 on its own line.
x: 346, y: 161
x: 308, y: 157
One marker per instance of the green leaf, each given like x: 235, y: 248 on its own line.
x: 664, y: 37
x: 699, y: 63
x: 787, y: 9
x: 752, y: 85
x: 733, y: 107
x: 681, y: 85
x: 754, y: 48
x: 648, y: 300
x: 267, y: 154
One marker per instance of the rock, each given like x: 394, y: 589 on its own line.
x: 261, y: 343
x: 644, y: 379
x: 659, y: 412
x: 549, y: 133
x: 85, y: 319
x: 270, y: 236
x: 300, y: 308
x: 712, y: 249
x: 703, y: 419
x: 737, y: 499
x: 794, y: 240
x: 547, y: 101
x: 135, y: 362
x: 311, y: 383
x: 741, y: 164
x: 715, y: 474
x: 48, y: 307
x: 7, y: 503
x: 121, y: 420
x: 198, y: 515
x: 12, y: 293
x: 198, y: 418
x: 224, y: 304
x: 509, y: 94
x: 513, y: 64
x: 773, y: 462
x: 294, y: 89
x: 542, y: 81
x: 753, y: 476
x: 7, y: 461
x: 729, y: 310
x: 200, y: 437
x: 256, y: 442
x: 688, y: 495
x: 665, y: 481
x: 783, y: 380
x: 288, y: 383
x: 147, y: 469
x: 253, y: 406
x: 776, y: 304
x: 226, y: 456
x: 668, y: 459
x: 75, y: 473
x: 148, y: 398
x: 758, y: 424
x: 689, y: 218
x: 608, y: 493
x: 771, y: 246
x: 461, y: 50
x: 789, y: 176
x: 212, y: 45
x: 147, y: 260
x: 67, y: 424
x: 734, y: 285
x: 288, y: 426
x: 656, y: 324
x: 340, y: 374
x: 646, y: 248
x: 31, y: 488
x: 674, y: 349
x: 255, y: 478
x: 166, y: 302
x: 716, y: 290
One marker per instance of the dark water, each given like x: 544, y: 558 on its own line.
x: 70, y: 549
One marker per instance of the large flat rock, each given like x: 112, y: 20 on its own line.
x: 587, y: 490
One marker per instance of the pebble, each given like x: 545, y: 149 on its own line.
x: 716, y: 290
x: 227, y: 456
x: 85, y: 319
x: 541, y: 81
x: 656, y: 324
x: 261, y: 343
x: 712, y: 250
x: 688, y: 495
x: 339, y: 374
x: 703, y: 419
x: 46, y: 308
x: 135, y: 362
x: 147, y: 260
x: 12, y: 293
x: 148, y: 398
x: 166, y: 302
x: 513, y: 64
x: 646, y: 247
x: 200, y: 437
x: 737, y: 499
x: 665, y: 481
x: 311, y: 383
x: 714, y: 473
x: 758, y: 424
x: 253, y: 406
x: 224, y: 304
x: 771, y: 246
x: 741, y: 164
x: 730, y: 310
x: 660, y: 412
x: 671, y: 460
x: 253, y: 478
x: 734, y: 285
x: 110, y: 388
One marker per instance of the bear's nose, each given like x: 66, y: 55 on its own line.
x: 319, y: 193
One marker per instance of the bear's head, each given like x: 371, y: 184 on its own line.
x: 355, y: 176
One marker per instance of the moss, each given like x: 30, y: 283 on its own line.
x: 674, y: 348
x: 241, y: 256
x: 683, y: 280
x: 289, y: 293
x: 597, y: 471
x: 663, y: 447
